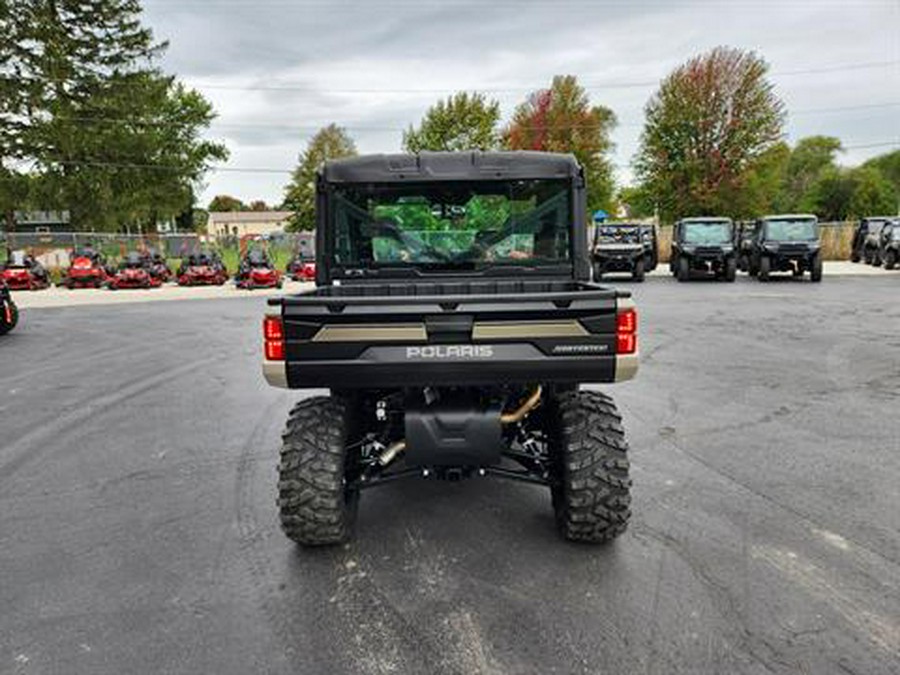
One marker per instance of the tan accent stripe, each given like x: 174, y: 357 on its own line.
x: 491, y: 330
x: 275, y: 373
x: 410, y: 332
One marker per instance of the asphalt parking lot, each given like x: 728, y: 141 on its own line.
x: 138, y: 531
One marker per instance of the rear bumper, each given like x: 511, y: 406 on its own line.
x: 508, y: 364
x: 415, y: 340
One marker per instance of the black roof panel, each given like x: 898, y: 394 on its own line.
x: 430, y: 166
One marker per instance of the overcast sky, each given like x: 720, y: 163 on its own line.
x: 278, y: 70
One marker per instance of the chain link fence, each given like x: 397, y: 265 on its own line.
x: 54, y: 249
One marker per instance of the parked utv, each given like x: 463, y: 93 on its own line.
x: 866, y: 244
x: 453, y: 323
x: 9, y: 313
x: 890, y: 244
x: 87, y: 270
x: 703, y: 245
x: 302, y: 267
x: 624, y: 247
x: 22, y: 272
x: 133, y: 272
x: 257, y: 271
x: 786, y: 243
x: 202, y: 269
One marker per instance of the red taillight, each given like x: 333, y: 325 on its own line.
x: 272, y: 328
x: 273, y: 332
x: 626, y: 331
x: 626, y: 321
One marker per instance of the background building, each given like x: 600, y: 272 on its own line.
x: 239, y: 223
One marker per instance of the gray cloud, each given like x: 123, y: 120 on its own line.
x: 324, y: 53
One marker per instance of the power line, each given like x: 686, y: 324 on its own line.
x: 292, y: 127
x: 515, y: 89
x: 499, y: 89
x: 273, y: 170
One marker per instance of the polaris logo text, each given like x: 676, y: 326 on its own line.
x: 450, y: 352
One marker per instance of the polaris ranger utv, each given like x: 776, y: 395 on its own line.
x: 453, y: 322
x: 704, y: 245
x: 624, y: 247
x: 786, y: 243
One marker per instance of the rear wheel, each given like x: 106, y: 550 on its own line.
x: 765, y: 266
x: 591, y: 497
x: 316, y: 505
x: 683, y: 272
x: 638, y: 272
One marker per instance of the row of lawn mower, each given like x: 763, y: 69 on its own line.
x: 148, y: 269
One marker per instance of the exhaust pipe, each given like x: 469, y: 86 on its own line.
x: 519, y: 414
x: 390, y: 452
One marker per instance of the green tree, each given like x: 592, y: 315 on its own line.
x: 809, y: 159
x: 221, y: 203
x: 873, y: 193
x: 331, y: 142
x: 760, y: 189
x: 889, y: 166
x: 463, y: 122
x: 637, y: 202
x: 258, y: 205
x: 562, y: 119
x: 113, y: 139
x: 844, y: 194
x: 706, y: 127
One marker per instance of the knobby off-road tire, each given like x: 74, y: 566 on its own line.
x: 638, y: 272
x: 591, y: 494
x: 683, y: 269
x: 765, y: 266
x: 890, y: 260
x: 730, y: 273
x: 815, y: 269
x: 316, y: 507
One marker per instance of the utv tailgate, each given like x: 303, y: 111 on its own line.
x: 451, y: 334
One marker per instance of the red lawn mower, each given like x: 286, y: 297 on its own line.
x: 156, y: 265
x: 87, y: 270
x: 133, y: 273
x: 302, y: 268
x: 22, y: 272
x: 202, y: 270
x: 257, y: 271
